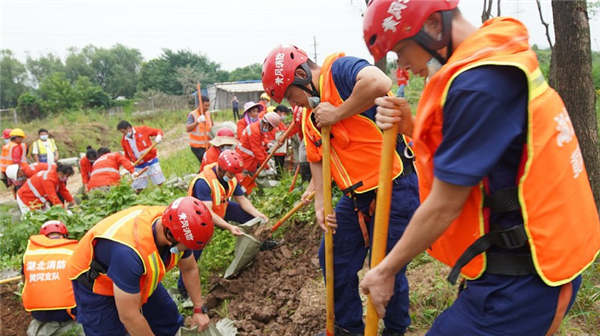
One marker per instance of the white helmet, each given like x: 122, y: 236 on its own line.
x: 272, y: 118
x: 12, y: 171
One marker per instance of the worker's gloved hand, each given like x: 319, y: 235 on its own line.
x: 69, y: 212
x: 158, y: 138
x: 135, y: 175
x: 201, y: 119
x: 270, y: 145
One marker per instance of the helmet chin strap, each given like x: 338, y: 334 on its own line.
x: 432, y: 45
x: 302, y: 82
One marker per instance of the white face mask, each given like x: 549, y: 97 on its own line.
x: 129, y: 134
x: 226, y: 179
x: 44, y: 137
x: 174, y: 249
x: 6, y: 141
x: 433, y: 66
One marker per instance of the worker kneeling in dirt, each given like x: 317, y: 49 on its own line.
x: 251, y: 147
x: 119, y: 264
x: 40, y: 191
x: 47, y: 291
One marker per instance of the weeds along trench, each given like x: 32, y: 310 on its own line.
x: 282, y: 292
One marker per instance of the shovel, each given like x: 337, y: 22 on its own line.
x: 295, y: 178
x: 382, y: 216
x: 249, y: 184
x: 289, y: 214
x: 328, y: 209
x: 144, y: 154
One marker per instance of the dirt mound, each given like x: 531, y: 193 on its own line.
x: 279, y: 294
x: 15, y: 319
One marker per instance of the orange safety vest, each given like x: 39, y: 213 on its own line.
x: 356, y: 142
x: 220, y: 196
x: 47, y: 286
x: 560, y: 218
x: 210, y: 156
x: 133, y: 228
x: 199, y: 135
x: 6, y: 158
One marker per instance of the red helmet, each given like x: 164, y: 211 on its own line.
x: 387, y: 22
x: 52, y: 226
x: 6, y: 133
x: 279, y: 69
x: 231, y: 161
x: 225, y: 132
x: 189, y: 221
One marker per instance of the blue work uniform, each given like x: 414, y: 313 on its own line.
x: 348, y: 242
x: 485, y: 131
x: 98, y: 313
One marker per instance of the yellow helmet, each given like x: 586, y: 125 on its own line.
x: 17, y: 132
x: 265, y: 96
x: 270, y: 108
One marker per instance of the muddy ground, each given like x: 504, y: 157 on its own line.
x: 280, y: 293
x: 15, y: 319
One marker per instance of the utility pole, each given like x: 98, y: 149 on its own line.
x: 315, y: 48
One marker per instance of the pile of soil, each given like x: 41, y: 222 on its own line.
x: 15, y: 319
x: 281, y: 292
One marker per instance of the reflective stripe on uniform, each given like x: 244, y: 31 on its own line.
x: 35, y: 192
x: 249, y: 152
x: 102, y: 170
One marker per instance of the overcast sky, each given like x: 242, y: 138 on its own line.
x: 232, y: 33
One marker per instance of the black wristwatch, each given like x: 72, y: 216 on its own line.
x: 203, y: 310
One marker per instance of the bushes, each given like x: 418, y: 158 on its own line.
x: 29, y: 107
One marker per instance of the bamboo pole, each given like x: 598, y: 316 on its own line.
x: 9, y: 280
x: 382, y: 216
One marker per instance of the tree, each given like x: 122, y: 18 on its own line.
x: 249, y: 72
x: 57, y: 93
x: 161, y: 74
x: 189, y: 78
x: 116, y: 69
x: 78, y: 64
x: 44, y: 66
x: 574, y: 83
x: 13, y: 76
x: 29, y: 107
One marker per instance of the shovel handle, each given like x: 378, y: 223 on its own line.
x: 295, y: 177
x: 141, y: 172
x: 146, y: 152
x: 328, y: 209
x: 382, y: 216
x: 291, y: 212
x: 9, y: 280
x: 277, y: 145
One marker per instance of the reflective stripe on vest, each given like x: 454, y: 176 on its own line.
x: 559, y: 214
x: 103, y: 170
x: 6, y: 156
x: 355, y: 141
x: 132, y: 228
x: 199, y: 136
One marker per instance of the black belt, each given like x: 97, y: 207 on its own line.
x: 88, y: 278
x: 512, y: 238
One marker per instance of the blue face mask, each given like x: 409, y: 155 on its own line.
x: 226, y: 179
x: 174, y: 249
x: 6, y: 141
x: 44, y: 137
x: 129, y: 134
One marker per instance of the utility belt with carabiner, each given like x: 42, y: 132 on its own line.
x: 513, y: 264
x: 88, y: 278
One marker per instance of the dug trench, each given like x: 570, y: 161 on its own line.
x: 280, y: 293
